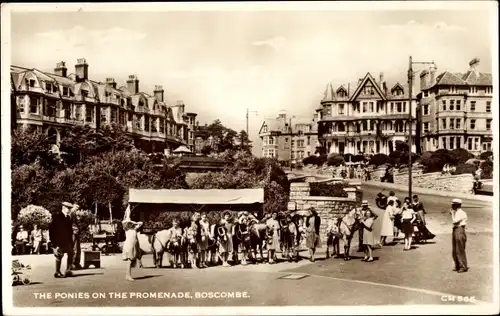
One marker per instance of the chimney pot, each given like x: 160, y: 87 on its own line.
x: 133, y: 84
x: 61, y: 69
x: 159, y: 92
x: 381, y: 77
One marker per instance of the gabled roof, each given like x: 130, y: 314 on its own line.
x: 478, y: 78
x: 448, y: 78
x: 368, y: 78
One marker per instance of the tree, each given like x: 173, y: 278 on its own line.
x: 335, y: 160
x: 379, y: 159
x: 28, y: 146
x: 461, y: 155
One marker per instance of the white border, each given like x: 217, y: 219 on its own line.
x: 238, y: 6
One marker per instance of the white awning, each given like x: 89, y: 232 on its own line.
x: 199, y: 197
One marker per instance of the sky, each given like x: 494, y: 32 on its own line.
x: 221, y: 63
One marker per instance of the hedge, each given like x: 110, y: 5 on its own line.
x: 328, y: 189
x: 487, y: 167
x: 379, y: 159
x: 465, y: 168
x: 335, y: 160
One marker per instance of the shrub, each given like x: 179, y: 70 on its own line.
x: 322, y: 160
x: 83, y: 219
x: 461, y: 155
x: 486, y: 155
x: 328, y: 189
x: 436, y: 160
x: 34, y: 215
x: 465, y: 168
x: 379, y: 159
x: 348, y: 157
x: 358, y: 158
x: 335, y: 160
x: 395, y: 157
x: 487, y: 167
x: 311, y: 160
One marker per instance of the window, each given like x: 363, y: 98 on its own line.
x: 78, y: 112
x: 34, y: 104
x: 459, y: 105
x: 32, y: 83
x: 472, y: 106
x: 328, y: 110
x: 476, y: 143
x: 426, y: 94
x: 371, y: 107
x: 308, y: 141
x: 469, y: 143
x: 452, y: 105
x: 114, y: 114
x: 398, y: 105
x: 154, y: 122
x: 472, y: 89
x: 392, y: 107
x: 458, y: 142
x: 444, y: 105
x: 425, y: 127
x: 443, y: 123
x: 20, y: 105
x: 341, y: 109
x: 452, y: 123
x: 50, y: 108
x: 472, y: 124
x: 426, y: 109
x: 293, y: 155
x: 365, y: 109
x: 452, y: 142
x: 488, y: 106
x: 286, y: 139
x: 443, y: 140
x: 65, y: 91
x: 453, y: 89
x: 137, y: 124
x: 488, y: 125
x: 271, y: 141
x: 489, y: 90
x: 67, y: 110
x: 104, y: 115
x: 122, y: 118
x: 89, y: 113
x: 404, y: 107
x: 48, y: 87
x: 292, y: 143
x: 300, y: 143
x: 84, y: 93
x: 458, y: 123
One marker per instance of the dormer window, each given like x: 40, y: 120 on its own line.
x: 32, y: 83
x: 48, y: 87
x: 65, y: 91
x: 341, y: 93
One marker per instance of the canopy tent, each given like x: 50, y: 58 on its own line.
x: 182, y: 150
x: 197, y: 197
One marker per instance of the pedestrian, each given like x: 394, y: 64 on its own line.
x: 387, y: 223
x: 174, y: 244
x: 459, y: 238
x: 131, y: 249
x: 368, y: 238
x: 36, y: 239
x: 273, y: 230
x: 61, y: 236
x: 364, y: 208
x: 76, y: 240
x: 192, y: 236
x: 204, y: 237
x: 398, y: 222
x: 419, y: 208
x: 22, y: 239
x: 225, y: 236
x: 313, y: 240
x: 408, y: 217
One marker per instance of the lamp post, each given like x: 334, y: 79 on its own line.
x: 410, y: 99
x: 248, y: 136
x: 291, y: 137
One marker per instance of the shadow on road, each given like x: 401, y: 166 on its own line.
x: 85, y: 274
x: 147, y: 277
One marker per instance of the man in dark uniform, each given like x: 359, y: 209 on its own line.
x: 61, y: 236
x: 76, y: 247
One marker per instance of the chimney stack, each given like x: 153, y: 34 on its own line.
x: 159, y: 93
x: 133, y: 84
x: 474, y: 63
x: 381, y: 78
x: 432, y: 79
x: 424, y: 79
x: 61, y: 69
x: 111, y: 82
x: 81, y: 70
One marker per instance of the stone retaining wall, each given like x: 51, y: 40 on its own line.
x: 457, y: 183
x: 327, y: 207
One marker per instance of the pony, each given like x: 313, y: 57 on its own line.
x: 243, y: 240
x: 348, y: 225
x: 289, y: 240
x: 333, y: 236
x: 258, y: 236
x: 155, y: 244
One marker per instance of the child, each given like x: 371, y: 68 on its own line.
x: 408, y: 217
x: 368, y: 238
x: 131, y: 248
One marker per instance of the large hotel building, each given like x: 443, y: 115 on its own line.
x: 455, y: 110
x: 52, y: 102
x: 368, y: 119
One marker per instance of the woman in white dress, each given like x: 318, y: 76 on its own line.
x: 130, y: 251
x: 205, y: 236
x: 387, y: 223
x: 273, y: 228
